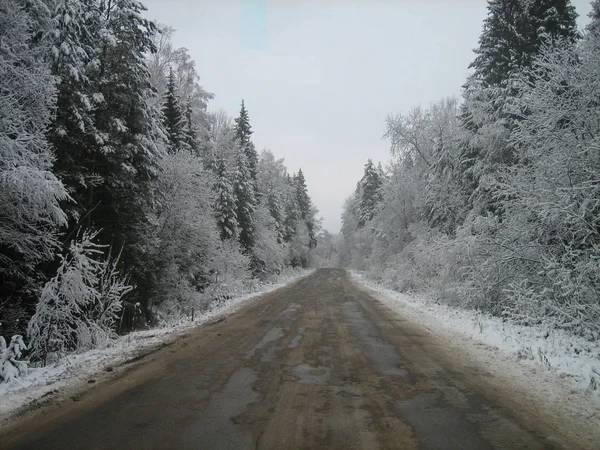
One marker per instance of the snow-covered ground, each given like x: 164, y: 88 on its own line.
x: 552, y: 363
x: 76, y: 371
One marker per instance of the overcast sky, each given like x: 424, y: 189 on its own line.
x: 319, y: 76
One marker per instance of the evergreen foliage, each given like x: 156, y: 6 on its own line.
x: 243, y: 132
x: 245, y: 200
x: 225, y: 203
x: 173, y: 117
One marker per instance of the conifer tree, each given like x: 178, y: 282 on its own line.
x: 173, y: 119
x: 243, y: 132
x: 371, y: 196
x: 292, y: 217
x: 245, y: 201
x: 190, y: 132
x: 594, y: 15
x: 108, y: 157
x: 502, y: 46
x: 225, y: 204
x: 302, y: 198
x: 30, y: 193
x: 552, y: 19
x: 276, y: 211
x: 304, y: 207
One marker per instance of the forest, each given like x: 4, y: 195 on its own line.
x: 491, y: 202
x: 124, y: 201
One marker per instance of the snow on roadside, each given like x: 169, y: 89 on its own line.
x: 551, y: 354
x: 79, y: 369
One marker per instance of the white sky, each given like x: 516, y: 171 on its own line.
x: 319, y: 76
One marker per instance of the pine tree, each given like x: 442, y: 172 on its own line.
x: 173, y: 119
x: 243, y: 132
x: 225, y: 205
x: 370, y: 192
x: 245, y: 201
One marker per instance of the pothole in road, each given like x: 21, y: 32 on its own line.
x: 296, y: 339
x: 347, y: 394
x: 308, y: 374
x: 381, y: 353
x: 439, y: 426
x: 272, y: 335
x: 217, y: 426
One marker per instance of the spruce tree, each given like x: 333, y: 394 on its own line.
x: 190, y: 132
x: 225, y: 203
x: 30, y: 193
x: 245, y: 201
x: 276, y: 210
x: 108, y: 156
x: 370, y: 194
x: 512, y: 35
x: 243, y: 132
x: 292, y: 216
x: 552, y: 19
x: 502, y: 45
x: 302, y: 198
x: 173, y: 119
x: 304, y: 207
x: 594, y: 15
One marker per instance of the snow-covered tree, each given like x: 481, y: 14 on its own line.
x: 268, y: 253
x: 221, y: 140
x: 79, y: 307
x: 12, y: 364
x: 243, y: 133
x: 243, y: 189
x: 225, y: 202
x: 191, y: 96
x: 184, y: 236
x: 370, y: 192
x: 173, y: 117
x: 30, y: 193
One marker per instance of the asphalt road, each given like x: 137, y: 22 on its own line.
x: 317, y: 365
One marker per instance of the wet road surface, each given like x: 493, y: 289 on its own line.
x: 316, y: 365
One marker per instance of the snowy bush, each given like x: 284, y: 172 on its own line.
x: 79, y: 306
x: 11, y: 363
